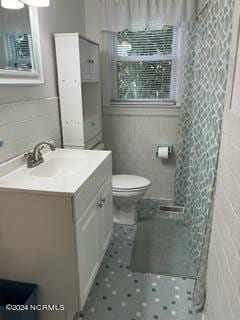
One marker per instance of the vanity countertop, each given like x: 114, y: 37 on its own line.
x: 63, y: 172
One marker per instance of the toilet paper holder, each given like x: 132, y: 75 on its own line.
x: 169, y: 146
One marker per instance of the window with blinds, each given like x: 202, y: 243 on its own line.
x: 144, y: 64
x: 18, y: 51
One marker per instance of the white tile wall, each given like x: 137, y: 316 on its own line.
x: 24, y: 124
x: 223, y: 285
x: 132, y: 140
x: 223, y: 282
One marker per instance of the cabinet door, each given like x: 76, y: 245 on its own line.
x: 94, y: 61
x: 89, y: 56
x: 105, y: 216
x: 88, y: 248
x: 92, y: 110
x: 85, y: 59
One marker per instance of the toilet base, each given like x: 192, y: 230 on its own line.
x: 125, y: 214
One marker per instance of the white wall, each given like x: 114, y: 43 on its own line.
x: 223, y: 285
x: 29, y: 114
x: 223, y: 282
x: 92, y: 14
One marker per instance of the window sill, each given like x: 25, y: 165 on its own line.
x: 142, y: 109
x: 144, y: 102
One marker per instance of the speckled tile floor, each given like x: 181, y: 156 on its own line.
x: 119, y: 294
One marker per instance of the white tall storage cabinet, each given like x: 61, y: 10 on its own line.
x: 79, y: 89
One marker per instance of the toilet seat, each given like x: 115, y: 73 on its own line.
x: 123, y: 191
x: 129, y: 183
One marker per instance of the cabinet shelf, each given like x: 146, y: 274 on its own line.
x: 91, y: 81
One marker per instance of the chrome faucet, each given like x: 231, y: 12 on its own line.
x: 35, y: 158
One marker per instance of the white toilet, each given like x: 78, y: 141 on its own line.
x: 127, y: 191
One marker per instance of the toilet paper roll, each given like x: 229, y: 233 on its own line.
x: 163, y: 153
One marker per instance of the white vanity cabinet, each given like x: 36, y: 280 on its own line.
x: 87, y: 230
x: 54, y: 231
x: 93, y: 230
x: 105, y: 216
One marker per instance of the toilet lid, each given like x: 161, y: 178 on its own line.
x: 129, y: 182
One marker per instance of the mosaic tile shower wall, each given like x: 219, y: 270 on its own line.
x: 206, y: 64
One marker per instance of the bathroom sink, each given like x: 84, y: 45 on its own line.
x: 58, y: 167
x: 63, y: 171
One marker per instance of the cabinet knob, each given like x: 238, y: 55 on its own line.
x: 99, y: 205
x: 90, y: 61
x: 103, y: 200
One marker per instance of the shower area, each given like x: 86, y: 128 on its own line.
x: 205, y: 80
x: 179, y: 241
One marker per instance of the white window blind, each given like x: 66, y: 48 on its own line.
x: 144, y: 64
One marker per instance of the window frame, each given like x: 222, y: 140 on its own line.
x: 35, y: 77
x: 179, y: 37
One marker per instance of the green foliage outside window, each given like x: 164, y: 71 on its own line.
x: 140, y: 72
x: 23, y: 54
